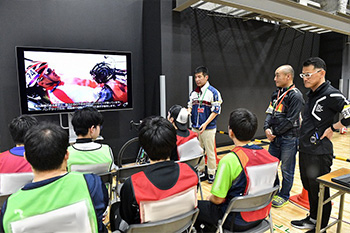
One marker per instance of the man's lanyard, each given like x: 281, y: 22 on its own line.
x: 200, y: 101
x: 277, y: 104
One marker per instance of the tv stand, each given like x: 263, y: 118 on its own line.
x: 72, y: 135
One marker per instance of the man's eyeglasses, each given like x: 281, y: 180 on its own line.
x: 308, y: 75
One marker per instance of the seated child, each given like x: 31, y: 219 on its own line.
x: 96, y: 157
x: 233, y: 177
x: 56, y: 201
x: 12, y: 161
x: 163, y: 180
x: 187, y: 141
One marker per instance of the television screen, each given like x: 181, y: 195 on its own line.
x: 55, y: 80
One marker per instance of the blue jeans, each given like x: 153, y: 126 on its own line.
x: 285, y: 148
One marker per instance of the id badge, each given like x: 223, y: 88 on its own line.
x: 200, y: 110
x: 269, y: 110
x: 346, y: 111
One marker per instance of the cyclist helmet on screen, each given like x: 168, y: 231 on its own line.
x: 35, y: 72
x: 102, y: 72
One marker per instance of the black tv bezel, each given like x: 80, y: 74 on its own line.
x: 22, y: 81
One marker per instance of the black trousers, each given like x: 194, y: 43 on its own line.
x: 209, y: 215
x: 311, y: 167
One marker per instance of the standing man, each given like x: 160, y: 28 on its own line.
x: 316, y: 149
x: 204, y: 105
x: 282, y: 128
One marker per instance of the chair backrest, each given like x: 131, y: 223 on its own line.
x: 189, y: 149
x: 180, y: 203
x: 61, y: 220
x: 12, y: 182
x: 252, y: 202
x: 193, y: 161
x: 175, y: 224
x: 249, y: 202
x: 108, y: 179
x: 91, y: 168
x: 128, y: 153
x: 261, y: 177
x: 124, y: 172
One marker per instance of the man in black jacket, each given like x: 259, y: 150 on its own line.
x: 316, y: 149
x: 281, y: 127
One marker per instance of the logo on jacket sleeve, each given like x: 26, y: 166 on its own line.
x: 319, y: 108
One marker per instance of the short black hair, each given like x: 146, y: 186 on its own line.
x: 316, y: 62
x: 19, y: 127
x: 243, y: 123
x: 85, y: 118
x: 201, y: 69
x: 45, y: 146
x: 157, y: 137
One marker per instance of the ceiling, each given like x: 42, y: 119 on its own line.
x: 317, y: 16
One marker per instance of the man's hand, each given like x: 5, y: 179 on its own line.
x: 202, y: 128
x: 327, y: 133
x: 189, y: 110
x: 207, y: 122
x: 269, y: 135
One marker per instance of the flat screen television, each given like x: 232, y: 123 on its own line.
x: 57, y: 80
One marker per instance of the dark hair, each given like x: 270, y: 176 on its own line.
x: 201, y: 69
x: 158, y: 137
x: 45, y: 146
x: 243, y: 123
x: 19, y: 127
x: 316, y: 62
x: 85, y: 118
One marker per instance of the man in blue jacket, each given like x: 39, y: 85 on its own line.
x: 205, y: 105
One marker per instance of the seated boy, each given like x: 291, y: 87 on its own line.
x: 187, y: 141
x: 160, y: 180
x: 232, y: 178
x: 56, y: 201
x: 12, y: 161
x: 96, y: 157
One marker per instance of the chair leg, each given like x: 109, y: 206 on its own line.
x: 200, y: 190
x: 200, y: 185
x: 219, y: 229
x: 270, y: 223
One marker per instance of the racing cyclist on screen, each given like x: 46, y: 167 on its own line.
x: 39, y: 74
x: 112, y: 81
